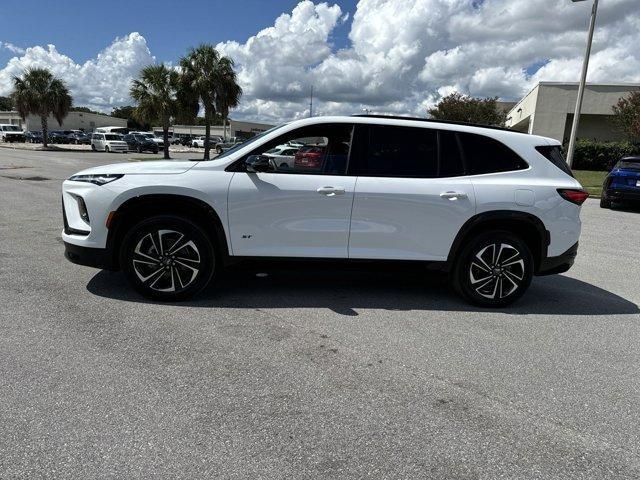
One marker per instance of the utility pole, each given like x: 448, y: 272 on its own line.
x: 583, y: 80
x: 311, y: 103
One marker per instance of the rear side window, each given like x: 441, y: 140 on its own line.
x: 402, y: 152
x: 487, y: 155
x: 553, y: 153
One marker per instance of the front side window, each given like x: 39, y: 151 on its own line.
x: 401, y: 152
x: 487, y: 155
x: 314, y: 150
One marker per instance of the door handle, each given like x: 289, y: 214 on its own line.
x: 330, y: 191
x: 453, y: 195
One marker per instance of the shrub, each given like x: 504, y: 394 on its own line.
x: 592, y: 155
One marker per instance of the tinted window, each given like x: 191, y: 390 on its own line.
x: 553, y: 153
x: 487, y: 155
x: 401, y: 152
x: 451, y: 164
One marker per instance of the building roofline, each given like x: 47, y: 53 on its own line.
x: 592, y: 84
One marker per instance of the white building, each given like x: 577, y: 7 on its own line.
x: 234, y: 129
x: 548, y: 108
x: 73, y: 121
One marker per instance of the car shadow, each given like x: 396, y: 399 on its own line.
x: 346, y: 288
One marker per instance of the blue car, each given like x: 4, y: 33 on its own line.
x: 622, y: 183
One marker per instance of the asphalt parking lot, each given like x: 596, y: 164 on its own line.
x: 314, y: 372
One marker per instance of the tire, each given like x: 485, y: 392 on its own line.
x: 218, y: 150
x: 604, y: 203
x: 493, y: 269
x: 155, y: 150
x: 93, y: 147
x: 106, y: 149
x: 139, y: 149
x: 164, y: 277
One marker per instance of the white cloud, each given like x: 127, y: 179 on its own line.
x: 100, y: 83
x: 12, y: 48
x: 402, y: 55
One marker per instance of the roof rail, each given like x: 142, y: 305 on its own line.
x: 448, y: 122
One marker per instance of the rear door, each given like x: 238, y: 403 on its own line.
x: 411, y: 196
x: 295, y: 212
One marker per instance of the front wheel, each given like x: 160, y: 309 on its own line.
x: 218, y: 150
x: 604, y: 203
x: 168, y: 258
x: 493, y: 270
x: 106, y: 149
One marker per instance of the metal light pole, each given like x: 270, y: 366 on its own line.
x: 583, y: 80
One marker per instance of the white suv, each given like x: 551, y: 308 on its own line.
x: 109, y: 142
x: 490, y: 206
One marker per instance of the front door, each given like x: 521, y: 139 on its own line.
x: 297, y: 210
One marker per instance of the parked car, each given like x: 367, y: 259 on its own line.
x: 140, y: 143
x: 622, y: 183
x: 151, y: 137
x: 198, y: 142
x: 222, y: 145
x: 59, y: 137
x: 79, y: 138
x: 490, y: 206
x: 11, y: 133
x: 108, y: 142
x: 33, y: 136
x: 283, y: 155
x: 309, y: 157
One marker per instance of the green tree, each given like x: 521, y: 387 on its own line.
x: 128, y: 112
x: 229, y: 92
x: 462, y: 108
x: 155, y: 92
x: 626, y: 116
x: 6, y: 104
x: 208, y: 80
x: 38, y: 92
x: 83, y: 109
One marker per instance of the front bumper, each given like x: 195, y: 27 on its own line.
x: 89, y: 257
x: 559, y: 264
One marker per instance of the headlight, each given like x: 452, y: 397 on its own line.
x: 96, y: 179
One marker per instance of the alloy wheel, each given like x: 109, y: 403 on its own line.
x: 497, y: 271
x: 166, y: 261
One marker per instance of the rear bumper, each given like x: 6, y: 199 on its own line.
x: 559, y: 264
x: 89, y: 257
x: 622, y: 194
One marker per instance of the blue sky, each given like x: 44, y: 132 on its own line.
x: 79, y: 28
x: 394, y: 56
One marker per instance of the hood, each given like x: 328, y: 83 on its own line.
x: 133, y: 168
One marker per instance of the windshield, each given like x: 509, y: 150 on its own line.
x: 140, y: 138
x: 11, y: 128
x: 629, y: 164
x: 248, y: 142
x: 112, y: 137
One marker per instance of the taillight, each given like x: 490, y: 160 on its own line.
x: 573, y: 195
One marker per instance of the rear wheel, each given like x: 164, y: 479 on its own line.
x: 168, y: 258
x: 605, y: 203
x: 106, y: 148
x: 93, y: 147
x: 493, y: 270
x: 218, y: 150
x: 139, y: 149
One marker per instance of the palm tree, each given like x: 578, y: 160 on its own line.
x: 209, y: 78
x: 155, y: 92
x: 229, y: 92
x: 38, y: 92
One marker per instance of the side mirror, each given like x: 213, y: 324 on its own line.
x: 259, y: 163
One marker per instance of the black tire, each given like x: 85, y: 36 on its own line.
x: 155, y: 150
x: 493, y: 270
x: 139, y: 149
x: 93, y: 147
x: 604, y: 203
x: 168, y: 277
x: 218, y: 150
x: 106, y: 149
